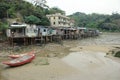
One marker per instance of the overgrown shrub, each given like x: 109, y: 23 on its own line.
x: 117, y: 54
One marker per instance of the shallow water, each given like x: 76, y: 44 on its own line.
x: 94, y: 64
x: 105, y: 39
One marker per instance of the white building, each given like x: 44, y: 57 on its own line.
x: 60, y: 20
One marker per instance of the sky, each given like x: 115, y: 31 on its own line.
x: 86, y: 6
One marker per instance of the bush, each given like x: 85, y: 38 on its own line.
x: 117, y: 54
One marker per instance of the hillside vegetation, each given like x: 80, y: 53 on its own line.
x: 22, y: 11
x: 99, y: 21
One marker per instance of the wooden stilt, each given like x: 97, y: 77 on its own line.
x: 24, y: 41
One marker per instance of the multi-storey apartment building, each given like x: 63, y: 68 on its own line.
x: 60, y: 20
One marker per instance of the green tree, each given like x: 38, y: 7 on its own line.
x: 32, y: 19
x: 3, y: 10
x: 56, y: 10
x: 3, y: 27
x: 45, y: 21
x: 11, y: 13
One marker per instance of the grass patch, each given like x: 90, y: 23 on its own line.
x: 117, y: 54
x: 41, y: 61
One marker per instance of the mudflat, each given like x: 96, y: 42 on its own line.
x: 73, y: 60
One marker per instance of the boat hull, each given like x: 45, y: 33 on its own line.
x: 20, y: 61
x: 19, y: 55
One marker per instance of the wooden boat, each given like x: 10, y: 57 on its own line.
x: 13, y: 56
x: 20, y: 61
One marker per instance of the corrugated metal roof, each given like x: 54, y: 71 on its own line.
x: 18, y: 26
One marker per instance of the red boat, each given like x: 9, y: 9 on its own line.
x: 13, y: 56
x: 20, y: 61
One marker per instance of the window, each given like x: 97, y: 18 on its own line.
x: 59, y: 22
x: 35, y: 30
x: 54, y: 23
x: 20, y: 30
x: 59, y: 17
x: 44, y: 30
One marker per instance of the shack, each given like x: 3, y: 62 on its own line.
x: 21, y: 30
x: 82, y: 31
x: 24, y: 34
x: 70, y: 33
x: 21, y: 33
x: 44, y: 34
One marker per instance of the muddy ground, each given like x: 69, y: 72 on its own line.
x: 73, y: 60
